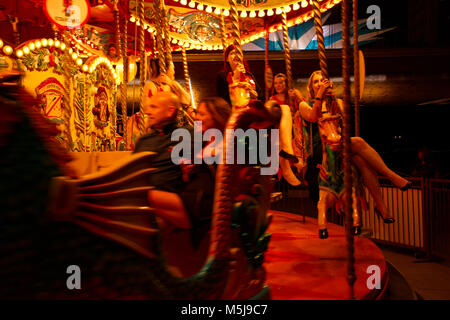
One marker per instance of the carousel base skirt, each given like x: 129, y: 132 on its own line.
x: 301, y: 266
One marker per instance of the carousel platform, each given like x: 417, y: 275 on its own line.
x: 300, y: 266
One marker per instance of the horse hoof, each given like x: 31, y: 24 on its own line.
x: 356, y: 230
x: 323, y: 233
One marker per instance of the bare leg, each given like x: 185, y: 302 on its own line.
x: 371, y: 182
x: 169, y: 207
x: 362, y: 148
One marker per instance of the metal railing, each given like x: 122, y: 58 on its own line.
x: 421, y: 213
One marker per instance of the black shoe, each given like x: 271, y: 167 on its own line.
x: 356, y: 230
x: 389, y: 220
x: 323, y: 233
x: 406, y: 186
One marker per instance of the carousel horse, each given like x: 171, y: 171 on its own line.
x: 331, y: 176
x: 103, y: 223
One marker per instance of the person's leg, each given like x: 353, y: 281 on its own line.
x: 360, y: 147
x: 371, y: 182
x: 170, y: 207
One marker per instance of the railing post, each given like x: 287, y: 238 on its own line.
x: 426, y: 212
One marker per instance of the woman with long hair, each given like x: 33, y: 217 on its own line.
x: 234, y: 72
x: 320, y: 100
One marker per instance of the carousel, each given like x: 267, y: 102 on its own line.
x: 75, y: 78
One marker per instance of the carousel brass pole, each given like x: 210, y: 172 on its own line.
x: 223, y: 32
x: 235, y: 30
x: 320, y: 40
x: 351, y: 277
x: 141, y: 67
x: 287, y: 52
x: 122, y: 54
x: 67, y: 85
x: 159, y: 39
x: 165, y: 24
x: 356, y: 66
x: 185, y: 69
x: 266, y: 59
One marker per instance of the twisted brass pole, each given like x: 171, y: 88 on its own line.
x: 67, y: 85
x: 141, y: 67
x: 320, y: 40
x: 121, y: 49
x: 351, y: 278
x: 266, y: 60
x: 165, y: 24
x: 356, y: 66
x: 235, y: 30
x: 159, y: 39
x: 223, y: 32
x: 185, y: 69
x: 287, y: 52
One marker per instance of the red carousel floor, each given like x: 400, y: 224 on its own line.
x: 300, y: 266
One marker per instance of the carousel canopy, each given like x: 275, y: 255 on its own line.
x: 194, y: 25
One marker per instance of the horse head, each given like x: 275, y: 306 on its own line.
x: 330, y: 131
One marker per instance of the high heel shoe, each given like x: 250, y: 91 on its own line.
x: 406, y: 186
x: 356, y: 230
x: 385, y: 220
x: 323, y: 233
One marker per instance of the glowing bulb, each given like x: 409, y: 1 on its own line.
x: 85, y: 68
x: 138, y: 23
x: 51, y: 42
x: 270, y: 12
x: 287, y: 9
x: 304, y: 4
x: 74, y: 56
x: 57, y: 44
x: 19, y: 53
x: 244, y: 14
x: 208, y: 9
x: 226, y: 12
x: 252, y: 14
x: 79, y: 62
x: 217, y: 11
x: 278, y: 11
x: 133, y: 19
x: 7, y: 50
x: 63, y: 46
x: 200, y: 7
x: 70, y: 51
x: 1, y: 43
x: 296, y: 6
x: 261, y: 13
x: 44, y: 42
x: 26, y: 50
x: 183, y: 2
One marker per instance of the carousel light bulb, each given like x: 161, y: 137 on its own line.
x: 261, y: 13
x: 38, y: 44
x: 51, y: 42
x: 252, y: 14
x: 85, y: 68
x: 70, y: 51
x: 44, y: 42
x: 138, y: 22
x: 1, y: 43
x: 243, y: 14
x: 63, y: 46
x: 57, y: 44
x: 174, y: 41
x: 208, y: 9
x: 296, y: 6
x: 19, y: 53
x: 304, y: 4
x: 32, y: 46
x: 133, y: 19
x: 7, y: 50
x: 200, y: 6
x: 278, y: 11
x: 79, y: 62
x: 270, y: 12
x: 287, y: 9
x: 74, y: 56
x: 217, y: 11
x: 145, y: 26
x: 26, y: 50
x: 226, y: 12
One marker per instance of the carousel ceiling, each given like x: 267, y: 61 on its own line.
x: 193, y: 24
